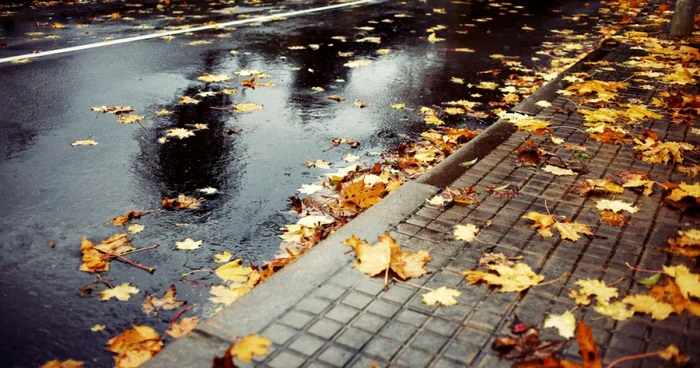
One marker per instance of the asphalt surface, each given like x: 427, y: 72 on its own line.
x: 57, y: 193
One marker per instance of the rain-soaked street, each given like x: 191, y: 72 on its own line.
x: 54, y: 192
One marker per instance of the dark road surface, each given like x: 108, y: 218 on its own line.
x: 57, y: 193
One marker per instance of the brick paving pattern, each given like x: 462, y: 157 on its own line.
x: 351, y: 320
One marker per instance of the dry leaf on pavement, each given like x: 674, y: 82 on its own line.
x: 443, y: 295
x: 513, y: 279
x: 387, y: 254
x: 465, y: 232
x: 565, y: 323
x: 249, y: 346
x: 188, y: 244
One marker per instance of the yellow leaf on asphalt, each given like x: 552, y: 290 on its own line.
x: 443, y: 295
x: 97, y: 327
x: 558, y: 171
x: 181, y: 133
x: 565, y: 324
x: 249, y: 346
x: 182, y: 328
x: 135, y: 228
x: 187, y: 100
x: 644, y: 303
x: 213, y: 78
x: 615, y: 206
x: 166, y: 302
x: 688, y: 282
x: 530, y: 124
x: 135, y: 346
x: 69, y: 363
x: 432, y: 38
x: 617, y: 311
x: 398, y: 106
x: 223, y: 257
x: 122, y: 292
x: 466, y: 232
x: 641, y: 112
x: 188, y: 244
x: 227, y: 295
x: 247, y: 107
x: 163, y: 112
x: 457, y: 80
x: 84, y: 142
x: 514, y: 279
x: 233, y: 271
x: 129, y: 119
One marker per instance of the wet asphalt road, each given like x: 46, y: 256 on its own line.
x: 55, y: 192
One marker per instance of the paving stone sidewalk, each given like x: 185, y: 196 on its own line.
x: 322, y: 312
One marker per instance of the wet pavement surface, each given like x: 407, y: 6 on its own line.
x: 57, y: 193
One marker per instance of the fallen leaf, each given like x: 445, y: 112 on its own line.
x: 513, y: 279
x: 643, y: 303
x: 672, y: 352
x: 688, y: 282
x: 166, y: 302
x: 399, y: 106
x: 314, y: 220
x: 135, y: 346
x: 188, y: 244
x: 135, y: 228
x: 442, y: 295
x: 587, y: 348
x: 181, y: 133
x: 361, y: 104
x: 247, y: 107
x: 182, y: 201
x: 227, y: 295
x: 336, y: 98
x: 130, y: 119
x: 651, y: 280
x: 121, y: 292
x: 213, y: 78
x: 84, y: 142
x: 617, y: 311
x: 97, y: 327
x: 465, y: 232
x: 123, y: 220
x: 558, y: 171
x: 589, y: 287
x: 249, y: 346
x: 233, y: 271
x: 387, y: 254
x: 615, y: 206
x: 432, y: 38
x: 565, y: 323
x: 223, y: 257
x: 182, y: 328
x: 68, y: 363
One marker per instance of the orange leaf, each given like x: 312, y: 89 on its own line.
x: 587, y: 348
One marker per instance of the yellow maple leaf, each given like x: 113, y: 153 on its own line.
x: 648, y: 185
x: 84, y: 142
x: 387, y: 254
x: 247, y: 107
x: 565, y: 323
x: 227, y: 295
x: 250, y: 345
x: 233, y: 271
x: 558, y: 171
x: 224, y: 257
x: 615, y: 206
x: 644, y: 303
x: 432, y: 38
x: 135, y: 346
x: 641, y: 112
x: 684, y: 190
x: 590, y: 287
x: 688, y: 282
x: 655, y: 152
x: 181, y: 133
x: 680, y: 76
x: 213, y: 78
x: 130, y: 119
x: 671, y: 294
x: 357, y: 195
x: 443, y: 295
x: 465, y: 232
x: 514, y: 279
x: 185, y: 326
x: 98, y: 327
x: 188, y: 244
x: 617, y: 311
x: 166, y: 302
x: 570, y: 230
x: 69, y: 363
x: 543, y: 223
x: 121, y: 292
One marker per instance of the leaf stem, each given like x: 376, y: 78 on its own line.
x: 553, y: 281
x: 632, y: 357
x: 195, y: 271
x: 140, y: 249
x: 641, y: 269
x: 102, y: 280
x: 172, y: 321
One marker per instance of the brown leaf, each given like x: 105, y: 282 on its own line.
x: 336, y: 98
x: 166, y: 302
x: 587, y: 347
x: 526, y: 346
x: 614, y: 219
x: 182, y: 328
x: 182, y: 201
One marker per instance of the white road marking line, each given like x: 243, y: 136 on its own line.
x: 181, y: 31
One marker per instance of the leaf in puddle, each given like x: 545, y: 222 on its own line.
x: 442, y: 295
x: 181, y: 202
x: 361, y: 104
x: 314, y: 220
x: 184, y: 100
x: 432, y: 38
x: 213, y: 78
x: 227, y: 295
x: 247, y: 107
x: 181, y: 133
x: 130, y: 119
x: 84, y: 142
x: 356, y: 194
x: 98, y: 327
